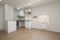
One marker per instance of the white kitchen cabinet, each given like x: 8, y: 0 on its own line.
x: 28, y: 24
x: 11, y: 26
x: 9, y: 15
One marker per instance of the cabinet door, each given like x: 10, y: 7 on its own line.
x: 28, y: 24
x: 11, y: 26
x: 34, y: 24
x: 9, y: 12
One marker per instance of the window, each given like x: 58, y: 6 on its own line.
x: 43, y: 18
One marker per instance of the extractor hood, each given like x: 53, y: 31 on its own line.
x: 21, y: 13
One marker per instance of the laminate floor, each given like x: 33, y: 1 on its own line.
x: 26, y: 34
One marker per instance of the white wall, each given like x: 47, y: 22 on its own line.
x: 5, y: 26
x: 3, y: 23
x: 1, y: 17
x: 51, y: 9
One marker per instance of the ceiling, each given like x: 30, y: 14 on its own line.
x: 24, y: 3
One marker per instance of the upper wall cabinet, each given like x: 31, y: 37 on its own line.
x: 9, y: 12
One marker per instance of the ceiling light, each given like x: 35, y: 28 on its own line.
x: 29, y: 3
x: 0, y: 0
x: 18, y: 8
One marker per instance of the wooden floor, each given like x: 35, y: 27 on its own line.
x: 33, y: 34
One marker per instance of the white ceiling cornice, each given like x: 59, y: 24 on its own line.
x: 24, y: 3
